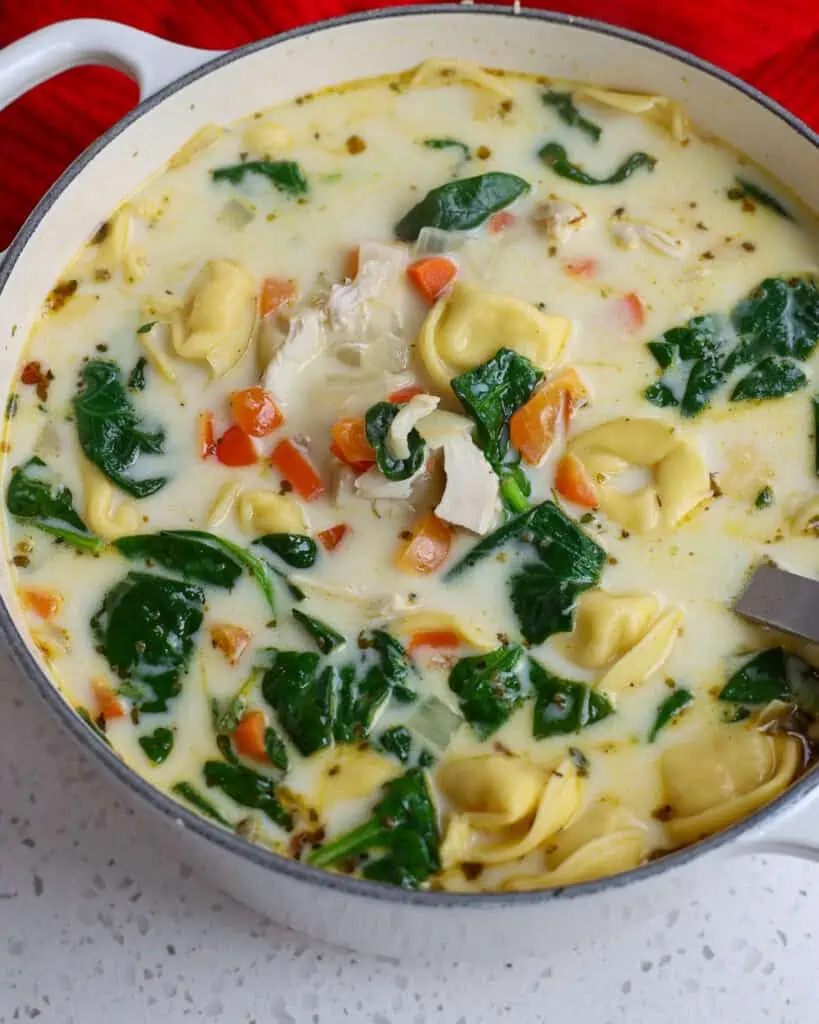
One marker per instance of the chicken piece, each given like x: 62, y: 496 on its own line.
x: 305, y: 340
x: 558, y: 219
x: 471, y: 494
x: 374, y: 485
x: 407, y: 418
x: 379, y: 269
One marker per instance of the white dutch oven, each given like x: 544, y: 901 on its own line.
x: 183, y: 88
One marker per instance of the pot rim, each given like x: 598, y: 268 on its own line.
x: 177, y: 813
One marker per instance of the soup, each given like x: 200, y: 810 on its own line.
x: 382, y: 474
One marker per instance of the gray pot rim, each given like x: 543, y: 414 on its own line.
x: 176, y: 813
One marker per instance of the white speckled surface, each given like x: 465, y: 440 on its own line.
x: 95, y: 926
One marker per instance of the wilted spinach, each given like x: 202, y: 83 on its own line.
x: 378, y: 420
x: 744, y: 189
x: 300, y: 691
x: 461, y: 205
x: 286, y: 175
x: 449, y: 144
x: 563, y: 705
x: 295, y: 549
x: 556, y: 158
x: 248, y: 789
x: 669, y: 708
x: 157, y: 745
x: 326, y: 638
x: 195, y: 799
x: 489, y: 688
x: 35, y: 497
x: 564, y: 106
x: 109, y: 430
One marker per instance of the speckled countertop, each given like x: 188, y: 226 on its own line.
x: 96, y: 926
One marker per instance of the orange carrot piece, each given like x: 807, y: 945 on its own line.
x: 108, y: 704
x: 230, y: 641
x: 235, y: 448
x: 249, y: 735
x: 433, y: 638
x: 574, y: 483
x: 581, y: 268
x: 631, y: 311
x: 255, y: 411
x: 297, y: 469
x: 500, y: 221
x: 275, y: 293
x: 532, y: 428
x: 45, y: 603
x: 350, y: 444
x: 405, y: 394
x: 351, y: 263
x: 204, y: 429
x: 428, y: 546
x: 431, y: 276
x: 333, y: 536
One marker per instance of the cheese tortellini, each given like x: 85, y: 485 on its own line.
x: 216, y: 322
x: 680, y: 479
x: 646, y: 657
x: 721, y: 777
x: 668, y: 112
x: 606, y: 626
x: 107, y: 514
x: 270, y: 512
x: 432, y: 621
x: 468, y: 326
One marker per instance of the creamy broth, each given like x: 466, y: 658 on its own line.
x: 181, y: 282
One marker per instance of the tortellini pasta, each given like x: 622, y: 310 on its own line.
x: 154, y: 352
x: 497, y: 794
x: 107, y: 515
x: 115, y: 251
x: 606, y: 626
x: 680, y: 477
x: 216, y: 322
x: 270, y: 512
x: 669, y: 112
x: 492, y: 89
x: 468, y: 326
x: 431, y: 621
x: 646, y: 657
x: 351, y: 773
x: 223, y: 503
x: 719, y: 778
x: 266, y: 137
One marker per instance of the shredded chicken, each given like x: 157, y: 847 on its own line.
x: 470, y: 497
x: 379, y: 268
x: 406, y: 420
x: 303, y: 343
x: 628, y: 234
x: 558, y: 219
x: 374, y: 604
x: 374, y: 485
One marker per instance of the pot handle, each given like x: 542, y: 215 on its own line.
x: 152, y: 62
x: 794, y: 834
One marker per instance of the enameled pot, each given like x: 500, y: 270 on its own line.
x: 181, y: 90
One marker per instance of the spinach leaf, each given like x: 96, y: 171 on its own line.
x: 488, y: 688
x: 378, y: 420
x: 562, y: 705
x: 512, y: 529
x: 194, y: 555
x: 145, y: 628
x: 398, y: 742
x: 36, y: 498
x: 404, y: 828
x: 227, y: 715
x: 772, y: 377
x: 448, y: 144
x: 301, y: 693
x: 555, y: 157
x: 744, y: 189
x: 563, y: 105
x: 195, y: 799
x: 109, y: 430
x: 491, y: 392
x: 286, y: 175
x: 391, y: 661
x: 515, y: 488
x: 248, y: 789
x: 146, y: 328
x: 461, y: 205
x: 157, y: 745
x: 764, y: 499
x: 780, y: 317
x: 668, y: 709
x: 327, y: 639
x: 276, y: 750
x: 701, y: 343
x: 358, y: 700
x: 761, y: 679
x: 294, y: 548
x: 200, y: 556
x: 136, y: 378
x: 661, y: 395
x: 544, y: 592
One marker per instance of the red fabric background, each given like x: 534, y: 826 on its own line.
x: 775, y: 46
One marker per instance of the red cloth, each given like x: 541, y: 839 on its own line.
x: 775, y: 46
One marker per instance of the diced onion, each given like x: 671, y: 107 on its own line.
x: 236, y: 214
x: 435, y: 722
x: 435, y: 242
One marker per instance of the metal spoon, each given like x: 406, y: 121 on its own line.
x: 782, y: 600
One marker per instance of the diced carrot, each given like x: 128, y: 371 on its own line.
x: 235, y: 448
x: 207, y: 441
x: 405, y: 394
x: 108, y: 704
x: 431, y: 276
x: 500, y: 221
x: 230, y: 640
x: 433, y: 638
x: 249, y: 735
x: 533, y: 426
x: 574, y: 483
x: 631, y: 312
x: 427, y: 548
x: 333, y: 536
x: 275, y: 293
x: 350, y: 444
x: 255, y: 411
x: 351, y: 263
x: 45, y: 603
x: 297, y: 469
x: 581, y: 268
